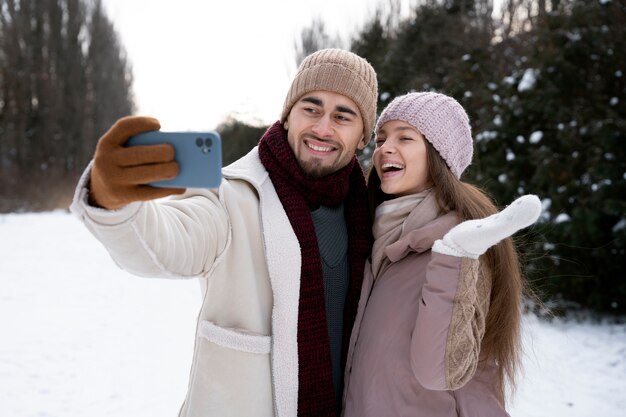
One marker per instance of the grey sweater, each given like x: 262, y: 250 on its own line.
x: 332, y: 239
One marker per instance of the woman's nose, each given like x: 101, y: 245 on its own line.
x: 387, y: 147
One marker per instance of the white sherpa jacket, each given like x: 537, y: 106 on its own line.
x: 238, y: 239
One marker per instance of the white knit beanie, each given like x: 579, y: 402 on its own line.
x: 442, y: 121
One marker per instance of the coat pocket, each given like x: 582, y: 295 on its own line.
x: 236, y: 339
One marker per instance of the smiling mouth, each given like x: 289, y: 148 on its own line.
x: 391, y: 167
x: 319, y: 146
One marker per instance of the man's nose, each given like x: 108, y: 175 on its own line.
x: 323, y: 128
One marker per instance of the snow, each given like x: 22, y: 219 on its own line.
x: 510, y: 80
x: 81, y: 337
x: 536, y: 137
x: 486, y: 136
x: 574, y: 36
x: 572, y: 369
x: 620, y: 225
x: 510, y: 156
x: 562, y: 218
x: 528, y: 80
x: 548, y: 246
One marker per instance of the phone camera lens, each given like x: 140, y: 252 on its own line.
x: 199, y: 142
x: 208, y: 142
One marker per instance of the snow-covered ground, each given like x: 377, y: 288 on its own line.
x: 79, y: 337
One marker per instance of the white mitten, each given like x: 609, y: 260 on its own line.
x: 472, y: 238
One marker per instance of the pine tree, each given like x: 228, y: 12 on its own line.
x: 546, y: 97
x: 558, y: 132
x: 63, y: 77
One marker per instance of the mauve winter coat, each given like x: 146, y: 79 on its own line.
x: 415, y: 346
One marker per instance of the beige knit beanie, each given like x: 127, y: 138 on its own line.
x: 442, y: 121
x: 340, y: 72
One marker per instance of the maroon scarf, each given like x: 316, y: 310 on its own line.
x: 296, y: 191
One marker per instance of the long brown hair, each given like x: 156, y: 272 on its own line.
x: 502, y: 339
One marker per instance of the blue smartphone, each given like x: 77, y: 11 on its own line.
x: 199, y: 156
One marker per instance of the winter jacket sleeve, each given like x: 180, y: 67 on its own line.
x: 177, y: 237
x: 450, y: 325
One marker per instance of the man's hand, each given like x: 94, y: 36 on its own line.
x: 119, y: 175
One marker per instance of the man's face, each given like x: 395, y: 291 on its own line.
x: 324, y: 130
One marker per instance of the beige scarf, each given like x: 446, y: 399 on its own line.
x: 395, y: 218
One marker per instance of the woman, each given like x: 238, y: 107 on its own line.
x: 438, y: 327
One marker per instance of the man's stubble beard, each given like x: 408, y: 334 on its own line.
x: 315, y: 169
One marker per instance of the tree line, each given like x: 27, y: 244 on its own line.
x: 542, y: 81
x: 544, y: 86
x: 64, y: 79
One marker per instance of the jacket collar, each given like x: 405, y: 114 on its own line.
x: 421, y: 239
x: 248, y: 168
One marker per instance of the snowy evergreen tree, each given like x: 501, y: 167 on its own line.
x: 544, y: 88
x: 558, y: 131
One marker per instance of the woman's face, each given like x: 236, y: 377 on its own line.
x: 400, y: 159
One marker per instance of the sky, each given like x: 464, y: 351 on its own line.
x: 81, y: 337
x: 197, y: 62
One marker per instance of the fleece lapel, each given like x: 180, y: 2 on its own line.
x: 282, y: 252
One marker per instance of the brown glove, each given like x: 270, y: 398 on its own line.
x: 119, y: 174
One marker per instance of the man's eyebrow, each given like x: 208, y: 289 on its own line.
x: 344, y: 109
x: 316, y: 101
x: 313, y: 100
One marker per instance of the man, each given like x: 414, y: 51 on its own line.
x: 280, y: 246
